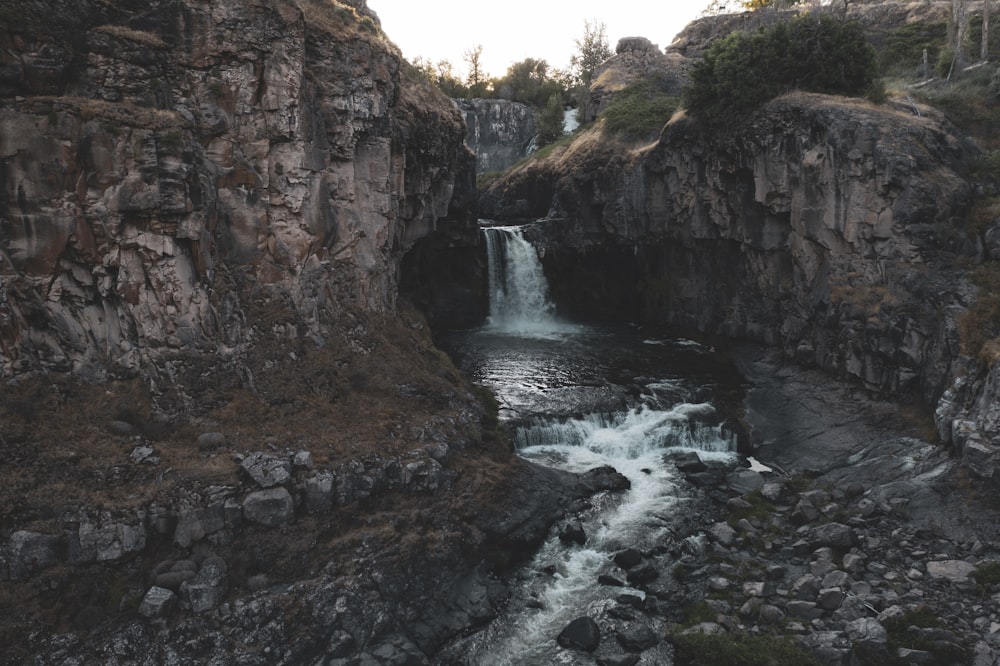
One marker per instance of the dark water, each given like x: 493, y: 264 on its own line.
x: 577, y: 397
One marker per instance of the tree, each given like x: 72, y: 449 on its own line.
x: 442, y: 75
x: 960, y: 19
x: 476, y: 78
x: 984, y: 48
x: 528, y: 82
x: 815, y: 53
x: 591, y: 50
x: 550, y: 121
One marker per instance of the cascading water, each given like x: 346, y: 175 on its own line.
x: 519, y: 298
x: 586, y: 398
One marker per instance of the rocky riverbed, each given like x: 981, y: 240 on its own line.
x: 852, y: 540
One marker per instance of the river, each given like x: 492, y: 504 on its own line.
x: 577, y: 396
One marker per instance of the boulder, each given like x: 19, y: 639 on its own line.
x: 572, y: 532
x: 211, y: 441
x: 633, y: 600
x: 952, y: 570
x: 805, y: 610
x: 580, y: 634
x: 689, y: 462
x: 157, y: 602
x: 628, y: 558
x: 206, y: 590
x: 870, y: 639
x: 722, y: 533
x: 642, y: 573
x: 637, y: 638
x: 30, y: 551
x: 604, y: 478
x: 319, y: 492
x: 830, y: 598
x: 769, y: 614
x: 189, y: 527
x: 270, y: 507
x: 265, y: 470
x: 302, y: 460
x: 745, y: 481
x: 833, y: 535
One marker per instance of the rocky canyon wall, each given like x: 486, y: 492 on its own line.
x: 161, y: 163
x: 831, y: 228
x: 500, y: 132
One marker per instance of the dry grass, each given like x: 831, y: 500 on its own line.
x: 337, y: 19
x: 331, y: 400
x: 124, y: 114
x: 139, y: 36
x: 870, y: 299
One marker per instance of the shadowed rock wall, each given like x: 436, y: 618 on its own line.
x: 500, y: 132
x: 830, y: 228
x: 156, y: 161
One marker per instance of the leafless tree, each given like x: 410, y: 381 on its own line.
x: 474, y: 59
x: 984, y: 49
x: 960, y: 19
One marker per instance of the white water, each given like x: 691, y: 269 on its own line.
x: 561, y: 582
x: 634, y: 443
x: 519, y: 293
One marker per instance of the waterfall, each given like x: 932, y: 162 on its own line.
x: 519, y: 293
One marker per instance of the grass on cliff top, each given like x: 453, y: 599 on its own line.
x: 337, y: 18
x: 639, y: 111
x: 969, y: 101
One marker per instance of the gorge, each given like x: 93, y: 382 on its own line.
x: 234, y: 239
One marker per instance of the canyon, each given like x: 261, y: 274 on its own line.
x: 228, y: 235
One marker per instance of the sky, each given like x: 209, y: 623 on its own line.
x: 512, y: 30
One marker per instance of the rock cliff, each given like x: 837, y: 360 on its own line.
x: 154, y: 157
x: 500, y: 132
x: 225, y: 435
x: 831, y: 228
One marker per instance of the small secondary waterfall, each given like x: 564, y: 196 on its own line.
x: 519, y: 294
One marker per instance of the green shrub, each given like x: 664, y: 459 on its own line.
x: 812, y: 52
x: 697, y: 613
x: 639, y: 111
x: 987, y: 573
x: 760, y: 508
x: 738, y: 649
x: 550, y: 121
x: 901, y: 637
x: 903, y: 47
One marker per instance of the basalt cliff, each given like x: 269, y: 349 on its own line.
x: 218, y: 415
x: 833, y: 229
x: 227, y: 435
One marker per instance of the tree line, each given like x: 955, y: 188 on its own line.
x: 530, y: 81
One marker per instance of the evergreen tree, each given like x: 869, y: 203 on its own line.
x: 591, y: 50
x: 815, y: 53
x: 550, y: 121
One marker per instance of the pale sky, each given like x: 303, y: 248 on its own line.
x: 512, y: 30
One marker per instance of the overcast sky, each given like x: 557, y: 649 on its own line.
x: 512, y: 30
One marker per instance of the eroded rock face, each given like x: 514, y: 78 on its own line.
x: 820, y: 229
x: 500, y: 132
x: 159, y: 163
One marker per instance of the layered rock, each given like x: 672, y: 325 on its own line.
x: 831, y: 228
x: 500, y: 132
x: 158, y: 162
x: 818, y: 229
